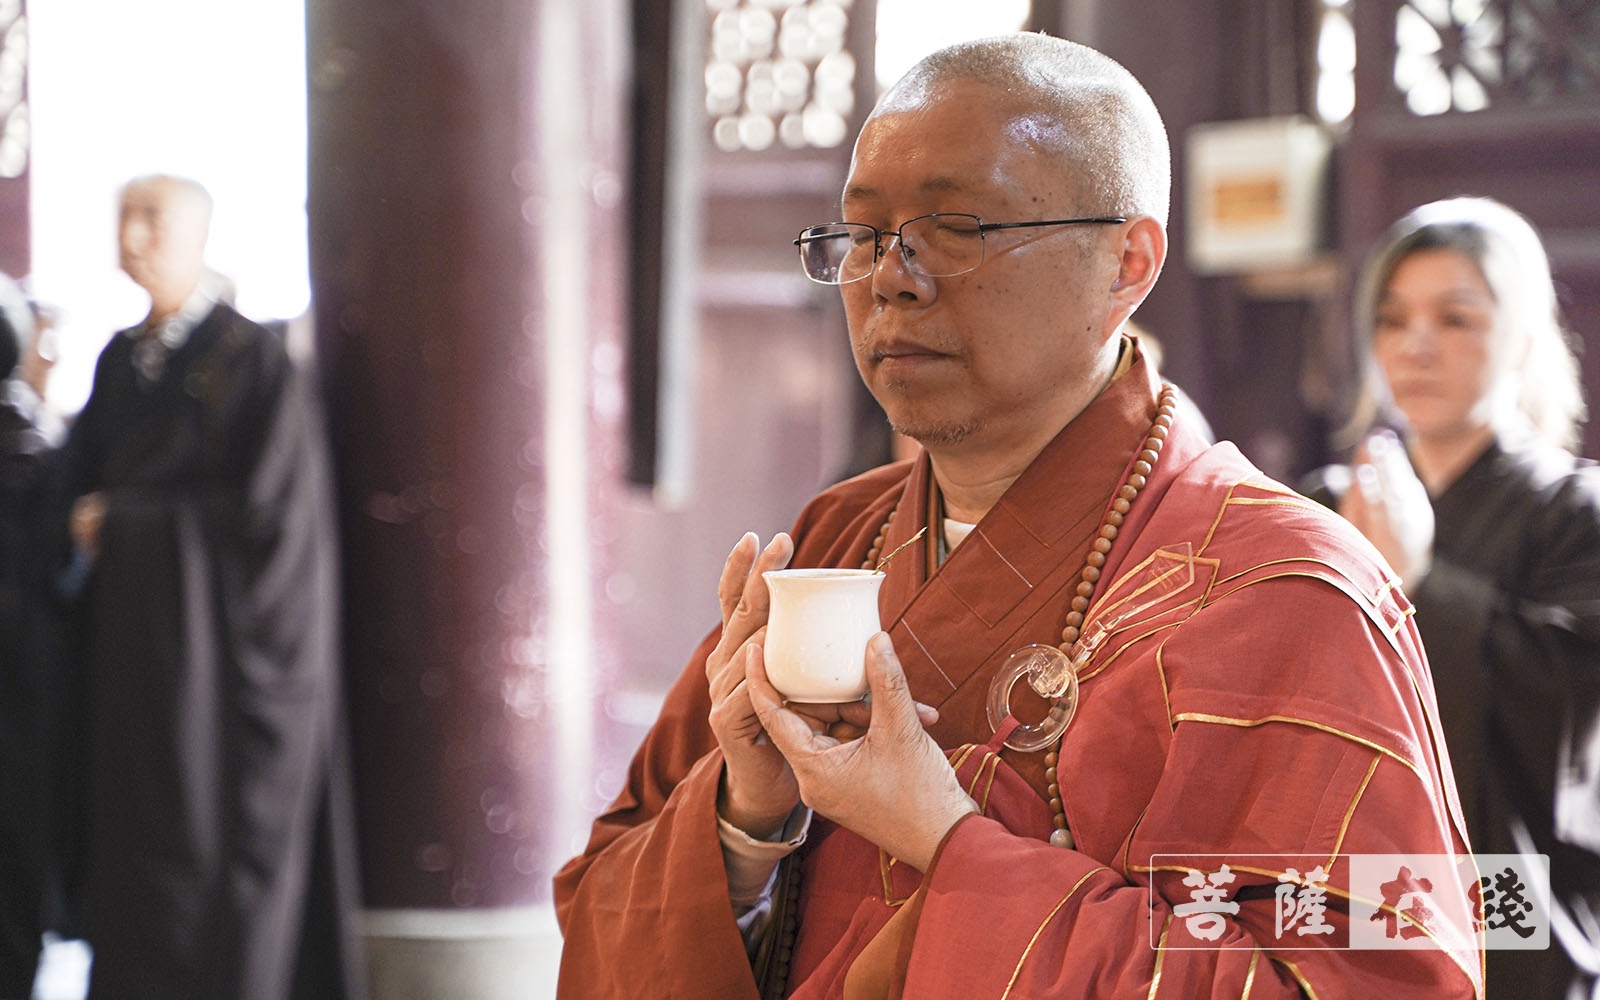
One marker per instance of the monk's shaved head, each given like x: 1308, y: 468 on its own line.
x: 162, y: 237
x: 1072, y: 102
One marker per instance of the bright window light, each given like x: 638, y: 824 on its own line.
x: 211, y: 89
x: 911, y: 29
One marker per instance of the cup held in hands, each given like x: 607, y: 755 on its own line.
x: 817, y: 632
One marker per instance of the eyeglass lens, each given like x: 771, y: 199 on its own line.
x: 936, y: 246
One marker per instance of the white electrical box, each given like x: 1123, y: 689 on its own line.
x: 1255, y: 193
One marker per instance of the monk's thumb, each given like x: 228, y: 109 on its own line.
x: 891, y: 695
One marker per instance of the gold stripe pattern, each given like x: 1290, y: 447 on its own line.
x: 1044, y: 923
x: 1294, y: 971
x: 985, y: 776
x: 1223, y: 720
x: 1161, y: 958
x: 1355, y: 800
x: 1250, y: 977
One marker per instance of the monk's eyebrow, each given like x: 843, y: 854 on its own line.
x: 938, y: 184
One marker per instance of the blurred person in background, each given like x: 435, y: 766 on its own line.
x: 1494, y: 529
x: 218, y: 852
x: 30, y: 636
x: 27, y: 391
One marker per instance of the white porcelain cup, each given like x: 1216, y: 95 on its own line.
x: 817, y: 632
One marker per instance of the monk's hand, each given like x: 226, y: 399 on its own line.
x: 87, y: 518
x: 1390, y: 505
x: 893, y: 785
x: 758, y: 788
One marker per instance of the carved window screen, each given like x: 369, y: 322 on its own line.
x: 1468, y: 55
x: 779, y: 72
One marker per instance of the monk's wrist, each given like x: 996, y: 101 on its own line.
x: 939, y: 828
x: 754, y: 822
x: 756, y: 828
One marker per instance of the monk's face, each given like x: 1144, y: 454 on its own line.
x: 989, y: 357
x: 162, y: 236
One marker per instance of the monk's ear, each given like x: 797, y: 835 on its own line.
x: 1143, y: 251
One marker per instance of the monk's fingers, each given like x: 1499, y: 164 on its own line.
x: 748, y: 611
x: 844, y: 732
x: 858, y: 714
x: 735, y: 571
x: 791, y: 732
x: 893, y: 708
x: 748, y: 615
x: 741, y: 575
x: 755, y: 601
x: 725, y: 667
x: 765, y: 700
x: 855, y: 716
x: 733, y: 719
x: 730, y: 588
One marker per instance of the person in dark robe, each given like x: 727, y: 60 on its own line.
x: 30, y: 663
x: 218, y: 853
x: 1493, y: 524
x: 1131, y: 693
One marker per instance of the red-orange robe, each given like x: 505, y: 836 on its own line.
x: 1274, y: 708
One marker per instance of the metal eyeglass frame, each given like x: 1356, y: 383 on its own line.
x: 983, y: 228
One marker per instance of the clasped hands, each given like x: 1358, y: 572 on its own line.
x: 1389, y: 504
x: 869, y: 766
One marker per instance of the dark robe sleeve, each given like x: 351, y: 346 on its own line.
x: 1537, y: 639
x: 1521, y: 638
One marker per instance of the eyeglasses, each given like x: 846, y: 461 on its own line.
x: 935, y: 246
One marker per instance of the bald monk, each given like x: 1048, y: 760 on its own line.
x: 216, y: 864
x: 1248, y: 704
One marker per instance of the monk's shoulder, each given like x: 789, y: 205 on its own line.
x: 1246, y: 519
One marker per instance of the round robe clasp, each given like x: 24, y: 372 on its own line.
x: 1052, y: 676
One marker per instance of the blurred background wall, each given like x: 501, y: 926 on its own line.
x: 542, y: 256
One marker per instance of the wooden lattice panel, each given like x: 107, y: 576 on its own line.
x: 1468, y: 55
x: 779, y: 73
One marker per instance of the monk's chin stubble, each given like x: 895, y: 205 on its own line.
x: 928, y: 430
x: 932, y: 435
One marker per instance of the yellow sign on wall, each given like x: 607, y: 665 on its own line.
x: 1256, y: 192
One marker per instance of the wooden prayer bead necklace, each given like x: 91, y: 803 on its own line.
x: 1166, y: 404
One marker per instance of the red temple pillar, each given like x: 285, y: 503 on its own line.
x: 466, y: 285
